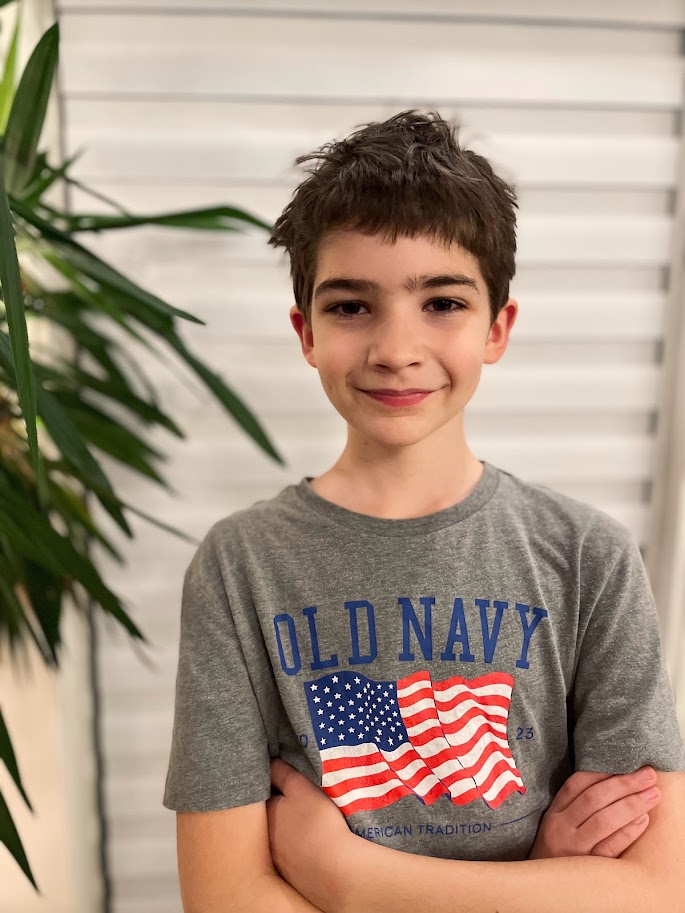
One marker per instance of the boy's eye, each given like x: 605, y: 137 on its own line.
x: 458, y: 306
x: 344, y: 304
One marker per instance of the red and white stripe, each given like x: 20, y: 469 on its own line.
x: 458, y: 747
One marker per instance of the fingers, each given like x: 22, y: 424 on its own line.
x: 616, y: 822
x: 576, y: 784
x: 607, y: 791
x: 619, y: 842
x: 595, y: 813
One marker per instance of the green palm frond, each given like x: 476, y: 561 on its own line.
x: 105, y: 406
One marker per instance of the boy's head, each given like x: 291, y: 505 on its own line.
x: 405, y: 176
x: 402, y: 248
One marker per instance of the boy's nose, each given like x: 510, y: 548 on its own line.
x: 397, y: 339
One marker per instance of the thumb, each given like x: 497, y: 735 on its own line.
x: 286, y: 778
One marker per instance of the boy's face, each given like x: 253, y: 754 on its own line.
x: 400, y: 338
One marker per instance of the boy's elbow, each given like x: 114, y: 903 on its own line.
x: 224, y: 858
x: 225, y: 864
x: 267, y: 893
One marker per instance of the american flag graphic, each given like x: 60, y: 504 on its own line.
x: 380, y: 741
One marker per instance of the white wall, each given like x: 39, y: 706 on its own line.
x: 48, y: 717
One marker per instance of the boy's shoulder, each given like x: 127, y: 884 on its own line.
x: 255, y: 521
x: 548, y: 513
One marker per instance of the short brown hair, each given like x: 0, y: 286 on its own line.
x: 406, y: 176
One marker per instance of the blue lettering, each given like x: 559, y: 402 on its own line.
x: 352, y: 607
x: 318, y: 663
x: 458, y: 633
x: 490, y: 637
x: 290, y: 624
x: 539, y: 614
x: 425, y: 637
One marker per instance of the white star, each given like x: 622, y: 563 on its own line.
x: 335, y: 679
x: 314, y: 687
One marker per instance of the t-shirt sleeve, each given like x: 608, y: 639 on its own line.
x: 219, y: 750
x: 622, y: 698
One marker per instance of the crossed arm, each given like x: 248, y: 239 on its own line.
x: 649, y: 877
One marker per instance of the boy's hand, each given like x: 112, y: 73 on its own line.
x: 596, y: 814
x: 309, y: 837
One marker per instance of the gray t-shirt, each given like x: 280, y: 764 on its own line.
x: 438, y: 676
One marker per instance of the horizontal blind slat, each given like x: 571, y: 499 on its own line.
x: 660, y: 13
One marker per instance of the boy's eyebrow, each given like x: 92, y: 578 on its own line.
x: 342, y: 284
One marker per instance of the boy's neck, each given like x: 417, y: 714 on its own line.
x: 378, y: 495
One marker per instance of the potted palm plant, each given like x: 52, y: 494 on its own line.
x: 45, y: 522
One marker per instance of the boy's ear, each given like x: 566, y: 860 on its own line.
x: 304, y: 332
x: 498, y: 337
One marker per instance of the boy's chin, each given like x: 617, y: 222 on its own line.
x: 391, y: 432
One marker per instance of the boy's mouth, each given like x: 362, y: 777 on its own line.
x: 398, y: 399
x: 391, y: 392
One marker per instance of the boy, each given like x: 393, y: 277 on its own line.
x: 435, y: 643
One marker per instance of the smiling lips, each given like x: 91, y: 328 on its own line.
x: 398, y: 392
x: 394, y: 398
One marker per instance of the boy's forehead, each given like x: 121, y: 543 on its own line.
x: 353, y: 253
